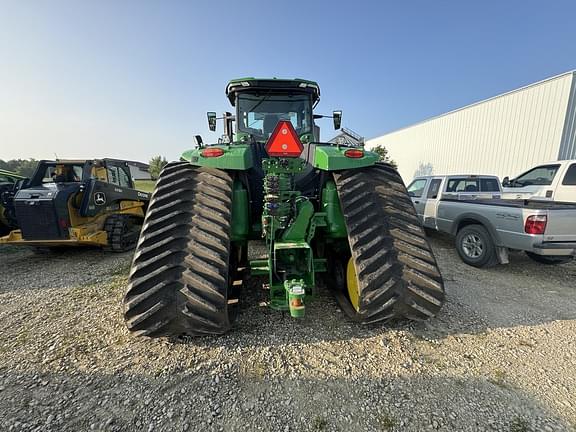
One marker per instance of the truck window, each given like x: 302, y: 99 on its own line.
x: 462, y: 185
x: 539, y: 176
x: 416, y: 188
x: 489, y: 185
x: 570, y: 177
x: 434, y: 188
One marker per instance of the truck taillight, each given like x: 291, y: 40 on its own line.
x: 535, y: 224
x: 212, y: 152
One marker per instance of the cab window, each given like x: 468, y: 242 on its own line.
x: 570, y: 177
x: 434, y: 188
x: 416, y: 188
x: 124, y: 177
x: 539, y: 176
x: 62, y: 173
x: 462, y: 185
x: 113, y: 175
x: 489, y: 185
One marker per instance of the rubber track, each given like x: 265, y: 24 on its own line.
x: 179, y: 279
x: 114, y: 227
x: 397, y: 272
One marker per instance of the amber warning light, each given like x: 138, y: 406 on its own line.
x: 284, y: 141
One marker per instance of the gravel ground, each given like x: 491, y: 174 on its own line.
x: 501, y: 356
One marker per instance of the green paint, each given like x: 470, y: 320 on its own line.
x: 235, y: 157
x: 298, y: 228
x: 335, y: 223
x: 11, y: 175
x: 294, y: 262
x: 240, y: 213
x: 332, y: 158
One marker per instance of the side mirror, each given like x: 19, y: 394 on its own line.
x: 506, y: 181
x: 198, y: 140
x: 212, y: 120
x: 337, y: 117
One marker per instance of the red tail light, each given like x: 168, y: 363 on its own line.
x: 535, y: 224
x: 212, y: 152
x: 354, y: 153
x: 284, y: 141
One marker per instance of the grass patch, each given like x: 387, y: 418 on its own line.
x: 144, y: 185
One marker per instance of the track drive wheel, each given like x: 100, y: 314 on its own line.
x: 390, y: 271
x: 122, y: 232
x: 182, y: 276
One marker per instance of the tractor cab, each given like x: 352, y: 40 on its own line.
x: 262, y: 103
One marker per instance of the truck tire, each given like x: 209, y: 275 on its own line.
x: 475, y: 246
x: 390, y: 271
x: 550, y: 259
x: 181, y: 274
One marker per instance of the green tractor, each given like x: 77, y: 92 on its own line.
x: 322, y: 209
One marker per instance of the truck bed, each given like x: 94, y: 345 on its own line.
x: 524, y: 204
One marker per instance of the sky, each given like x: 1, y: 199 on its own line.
x: 134, y: 78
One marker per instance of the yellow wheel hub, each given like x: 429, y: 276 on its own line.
x: 352, y: 284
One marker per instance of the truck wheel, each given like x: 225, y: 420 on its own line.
x: 475, y: 246
x: 551, y: 259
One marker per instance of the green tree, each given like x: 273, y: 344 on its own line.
x: 156, y: 165
x: 383, y: 153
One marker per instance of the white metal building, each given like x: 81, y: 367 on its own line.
x: 503, y: 135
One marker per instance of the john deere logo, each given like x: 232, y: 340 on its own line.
x: 99, y: 198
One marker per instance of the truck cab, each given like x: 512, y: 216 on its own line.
x: 427, y: 191
x: 553, y: 181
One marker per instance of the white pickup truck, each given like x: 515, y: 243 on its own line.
x: 486, y: 227
x: 552, y: 181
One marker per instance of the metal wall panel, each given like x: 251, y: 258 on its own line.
x: 568, y: 143
x: 503, y: 135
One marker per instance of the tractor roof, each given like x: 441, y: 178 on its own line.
x: 267, y: 84
x: 11, y: 174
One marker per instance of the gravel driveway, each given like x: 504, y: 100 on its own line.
x: 501, y: 356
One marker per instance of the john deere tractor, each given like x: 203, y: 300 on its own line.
x: 322, y: 209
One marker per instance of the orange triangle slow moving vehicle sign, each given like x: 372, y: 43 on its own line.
x: 284, y: 141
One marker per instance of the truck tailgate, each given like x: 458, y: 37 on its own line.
x: 561, y: 226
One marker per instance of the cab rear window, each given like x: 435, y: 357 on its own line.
x: 570, y: 177
x: 483, y: 184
